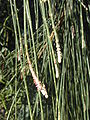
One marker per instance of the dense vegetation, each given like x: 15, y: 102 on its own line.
x: 44, y: 59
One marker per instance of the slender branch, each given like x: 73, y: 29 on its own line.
x: 52, y: 34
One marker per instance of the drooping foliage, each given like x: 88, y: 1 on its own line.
x: 45, y: 68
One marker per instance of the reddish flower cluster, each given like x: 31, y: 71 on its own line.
x: 41, y: 88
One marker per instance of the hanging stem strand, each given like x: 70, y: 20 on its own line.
x: 35, y: 79
x: 52, y: 34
